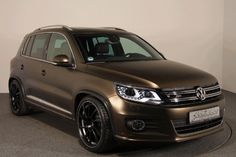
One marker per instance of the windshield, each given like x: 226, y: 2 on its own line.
x: 115, y: 47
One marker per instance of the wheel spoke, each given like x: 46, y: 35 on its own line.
x: 17, y: 98
x: 17, y: 104
x: 97, y: 120
x: 89, y: 135
x: 87, y: 110
x: 17, y: 93
x: 13, y: 90
x: 92, y: 114
x: 83, y: 127
x: 82, y: 116
x: 96, y: 138
x: 84, y: 112
x: 97, y: 131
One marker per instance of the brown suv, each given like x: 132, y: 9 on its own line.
x: 115, y: 86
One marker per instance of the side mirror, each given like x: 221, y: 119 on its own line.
x: 62, y: 60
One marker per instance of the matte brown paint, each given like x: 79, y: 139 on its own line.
x: 61, y: 86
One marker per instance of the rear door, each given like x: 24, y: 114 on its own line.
x: 34, y: 58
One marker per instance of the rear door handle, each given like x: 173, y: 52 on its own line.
x: 43, y: 72
x: 22, y: 67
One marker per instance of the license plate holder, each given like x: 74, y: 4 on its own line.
x: 204, y: 115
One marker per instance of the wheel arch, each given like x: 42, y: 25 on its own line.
x: 18, y: 80
x: 83, y: 93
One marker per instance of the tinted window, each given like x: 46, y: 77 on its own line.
x: 115, y: 47
x: 29, y: 46
x: 38, y: 49
x: 58, y: 45
x: 131, y: 47
x: 23, y: 45
x: 102, y: 39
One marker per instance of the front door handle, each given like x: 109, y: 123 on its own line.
x: 43, y: 72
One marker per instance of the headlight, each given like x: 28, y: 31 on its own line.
x: 137, y: 94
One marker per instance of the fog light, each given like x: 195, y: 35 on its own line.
x: 136, y: 125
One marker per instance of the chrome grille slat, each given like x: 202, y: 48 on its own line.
x: 213, y: 94
x: 183, y: 99
x: 180, y: 92
x: 186, y: 95
x: 212, y: 88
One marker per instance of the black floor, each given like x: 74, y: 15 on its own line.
x: 46, y: 135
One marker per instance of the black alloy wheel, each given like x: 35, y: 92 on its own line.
x: 90, y: 124
x: 18, y: 106
x: 95, y: 133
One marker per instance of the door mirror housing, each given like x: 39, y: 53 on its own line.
x: 62, y: 60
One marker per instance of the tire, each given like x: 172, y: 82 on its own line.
x: 18, y: 106
x: 95, y: 133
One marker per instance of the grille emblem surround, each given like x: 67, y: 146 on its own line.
x: 200, y: 93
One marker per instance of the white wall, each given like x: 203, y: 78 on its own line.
x: 189, y: 31
x: 229, y: 55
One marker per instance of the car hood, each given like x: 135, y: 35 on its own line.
x: 162, y: 73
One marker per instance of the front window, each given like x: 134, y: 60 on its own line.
x: 58, y: 45
x: 115, y: 47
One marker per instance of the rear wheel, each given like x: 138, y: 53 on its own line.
x: 18, y: 106
x: 95, y: 133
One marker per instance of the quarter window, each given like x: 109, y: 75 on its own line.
x: 58, y: 45
x: 38, y: 49
x: 29, y: 46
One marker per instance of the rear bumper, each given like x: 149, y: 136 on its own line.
x: 160, y: 120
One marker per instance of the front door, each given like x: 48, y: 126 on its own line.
x: 58, y: 80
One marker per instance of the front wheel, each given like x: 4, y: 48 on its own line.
x: 95, y: 133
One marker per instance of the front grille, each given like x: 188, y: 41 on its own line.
x: 190, y: 95
x: 182, y: 127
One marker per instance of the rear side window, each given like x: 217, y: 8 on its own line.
x: 39, y: 46
x: 29, y: 46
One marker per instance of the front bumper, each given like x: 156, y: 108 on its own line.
x: 160, y: 120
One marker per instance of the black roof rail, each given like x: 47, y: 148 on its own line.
x: 53, y: 26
